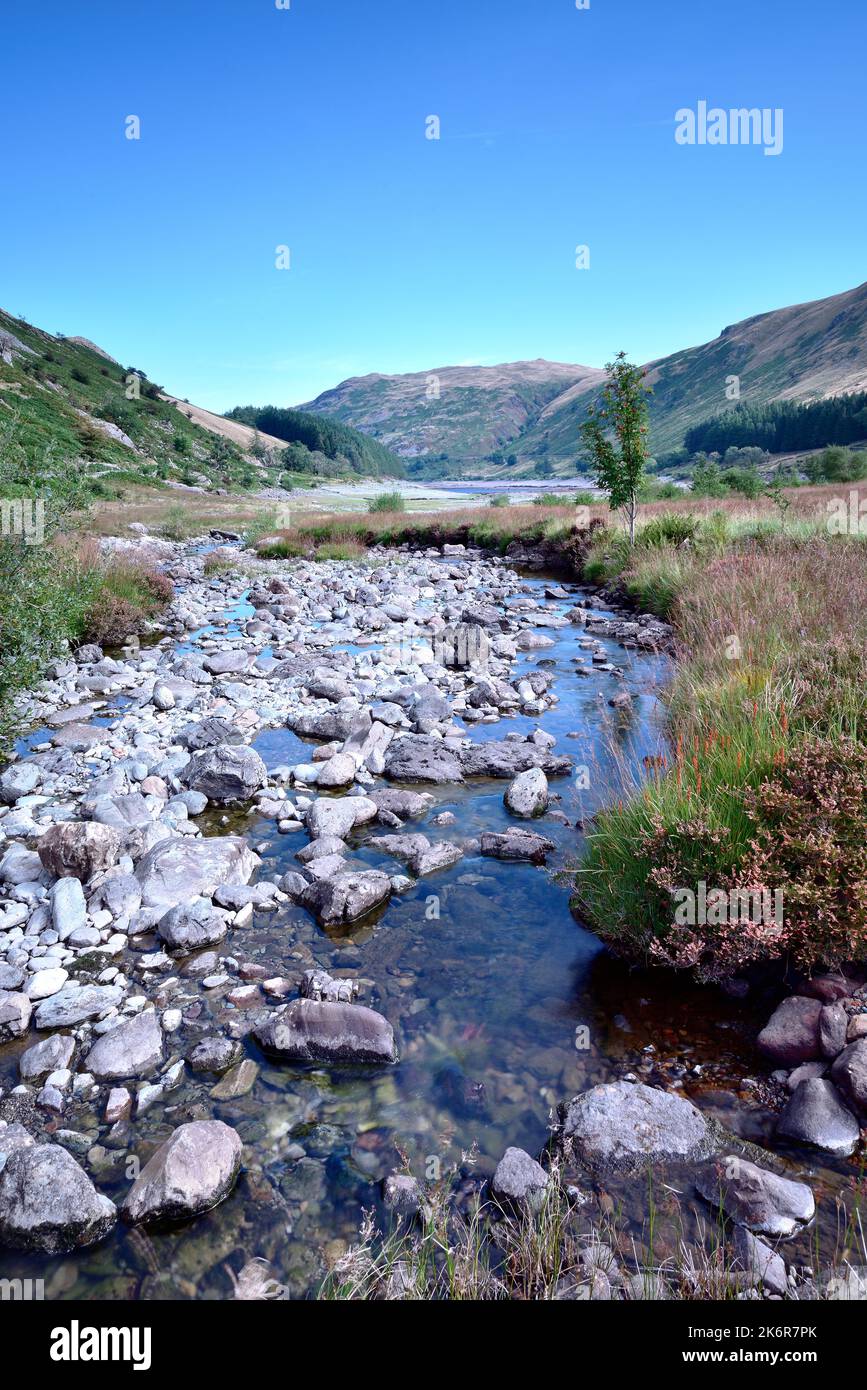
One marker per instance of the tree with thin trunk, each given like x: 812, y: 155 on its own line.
x: 615, y: 433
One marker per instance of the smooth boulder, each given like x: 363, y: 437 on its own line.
x: 622, y: 1126
x: 193, y: 1171
x: 132, y: 1048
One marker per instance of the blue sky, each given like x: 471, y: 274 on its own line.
x: 306, y: 127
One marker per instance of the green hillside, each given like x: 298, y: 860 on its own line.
x: 313, y: 437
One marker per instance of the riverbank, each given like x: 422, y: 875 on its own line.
x: 260, y: 876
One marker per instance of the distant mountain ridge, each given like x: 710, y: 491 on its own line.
x: 466, y: 412
x: 534, y: 410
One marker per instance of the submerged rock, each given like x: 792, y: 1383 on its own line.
x: 756, y: 1197
x: 190, y: 1173
x: 310, y: 1031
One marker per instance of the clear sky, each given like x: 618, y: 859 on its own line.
x: 305, y: 127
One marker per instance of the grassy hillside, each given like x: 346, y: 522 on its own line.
x: 62, y: 398
x: 802, y: 352
x: 66, y: 400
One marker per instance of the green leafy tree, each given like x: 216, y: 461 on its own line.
x: 619, y: 461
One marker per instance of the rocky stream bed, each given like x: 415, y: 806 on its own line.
x: 279, y: 919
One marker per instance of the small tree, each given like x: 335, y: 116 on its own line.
x: 621, y: 410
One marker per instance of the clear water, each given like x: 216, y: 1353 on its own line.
x: 485, y: 975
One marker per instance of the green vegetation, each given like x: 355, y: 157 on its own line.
x: 55, y: 588
x: 317, y: 444
x: 766, y: 784
x: 64, y: 398
x: 621, y: 410
x: 386, y: 502
x: 837, y: 465
x: 783, y: 427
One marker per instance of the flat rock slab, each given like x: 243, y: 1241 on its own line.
x: 49, y: 1204
x: 179, y: 869
x: 621, y: 1127
x: 311, y: 1031
x: 420, y: 758
x: 518, y: 845
x: 190, y: 1173
x: 76, y: 1003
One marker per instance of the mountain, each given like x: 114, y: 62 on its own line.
x: 466, y: 413
x: 534, y: 410
x: 65, y: 398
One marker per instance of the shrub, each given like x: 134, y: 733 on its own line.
x: 499, y: 499
x: 387, y: 502
x: 670, y: 528
x: 128, y: 594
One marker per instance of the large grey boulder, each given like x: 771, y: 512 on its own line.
x: 816, y: 1116
x: 227, y: 772
x: 791, y: 1034
x: 79, y: 848
x: 132, y: 1048
x: 76, y: 1003
x: 756, y: 1197
x: 519, y: 1178
x: 191, y: 925
x: 527, y: 795
x: 48, y: 1203
x: 179, y: 869
x: 15, y: 1012
x: 621, y: 1127
x: 421, y: 758
x: 311, y: 1031
x: 190, y: 1173
x: 11, y: 977
x: 125, y: 813
x: 348, y: 896
x: 19, y: 865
